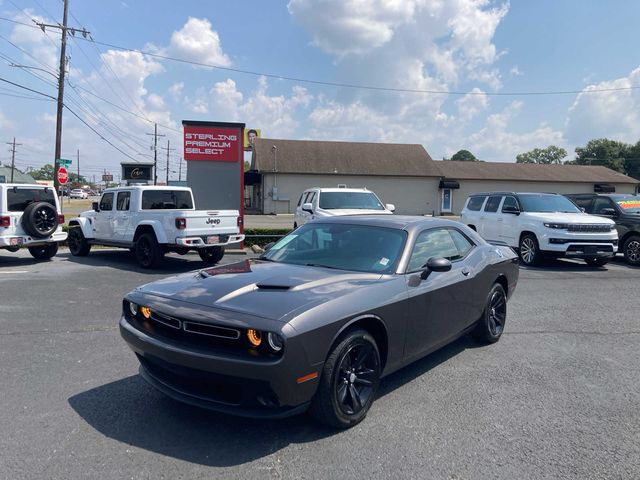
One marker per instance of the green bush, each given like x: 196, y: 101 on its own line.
x: 261, y: 241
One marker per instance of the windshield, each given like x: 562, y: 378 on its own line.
x: 360, y: 248
x: 349, y: 200
x: 628, y: 203
x: 547, y: 203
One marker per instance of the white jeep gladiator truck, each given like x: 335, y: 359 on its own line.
x: 151, y: 221
x: 30, y: 217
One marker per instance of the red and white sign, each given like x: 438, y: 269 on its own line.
x: 213, y: 144
x: 63, y: 175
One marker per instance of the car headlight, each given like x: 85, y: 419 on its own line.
x: 560, y: 226
x: 276, y: 342
x: 133, y: 308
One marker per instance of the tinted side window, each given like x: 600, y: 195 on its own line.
x: 123, y: 201
x: 463, y: 244
x: 166, y: 199
x: 18, y: 198
x: 106, y: 203
x: 312, y: 195
x: 601, y: 203
x: 301, y: 197
x: 492, y: 204
x: 436, y: 242
x: 583, y: 202
x: 510, y: 202
x: 475, y: 203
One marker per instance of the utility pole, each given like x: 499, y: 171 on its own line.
x: 78, y: 166
x: 168, y: 150
x: 180, y: 170
x: 63, y: 58
x: 155, y: 152
x: 13, y: 156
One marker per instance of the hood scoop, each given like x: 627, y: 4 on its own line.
x: 270, y: 286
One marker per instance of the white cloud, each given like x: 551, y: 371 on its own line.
x: 494, y: 142
x: 515, y: 71
x: 275, y: 115
x: 471, y: 104
x: 4, y: 121
x: 176, y: 90
x: 613, y: 114
x: 196, y: 41
x: 42, y: 46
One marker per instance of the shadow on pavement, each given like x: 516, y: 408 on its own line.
x: 124, y: 260
x: 134, y: 413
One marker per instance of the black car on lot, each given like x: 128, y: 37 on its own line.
x: 624, y: 209
x: 321, y: 317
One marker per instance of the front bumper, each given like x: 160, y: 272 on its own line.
x: 202, y: 242
x: 28, y: 241
x: 238, y: 386
x: 579, y: 245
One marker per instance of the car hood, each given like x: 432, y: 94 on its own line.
x: 260, y: 288
x: 350, y: 211
x: 559, y: 217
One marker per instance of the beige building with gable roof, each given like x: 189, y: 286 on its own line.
x: 404, y: 175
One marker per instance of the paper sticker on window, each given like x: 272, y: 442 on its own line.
x: 629, y: 204
x: 384, y: 261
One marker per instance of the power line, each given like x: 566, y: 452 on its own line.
x: 349, y: 85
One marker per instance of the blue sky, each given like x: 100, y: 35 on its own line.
x: 480, y: 48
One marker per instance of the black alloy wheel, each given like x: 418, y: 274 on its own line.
x: 44, y: 252
x: 211, y: 255
x: 40, y: 219
x: 349, y: 381
x: 491, y: 325
x: 78, y: 245
x: 631, y: 250
x: 529, y: 250
x: 148, y: 252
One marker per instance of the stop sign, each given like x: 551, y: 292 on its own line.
x: 63, y: 175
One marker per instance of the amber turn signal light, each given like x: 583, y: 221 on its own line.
x: 146, y: 312
x: 254, y: 337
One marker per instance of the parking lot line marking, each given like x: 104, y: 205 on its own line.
x: 14, y: 271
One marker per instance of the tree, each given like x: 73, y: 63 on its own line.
x: 604, y: 152
x: 464, y: 156
x: 632, y: 161
x: 546, y: 156
x: 44, y: 173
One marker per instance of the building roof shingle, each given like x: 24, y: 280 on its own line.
x: 345, y: 158
x: 531, y: 172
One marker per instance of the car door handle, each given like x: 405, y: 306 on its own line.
x: 465, y: 272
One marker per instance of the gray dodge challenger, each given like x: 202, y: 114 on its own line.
x: 321, y: 317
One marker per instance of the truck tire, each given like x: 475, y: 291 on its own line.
x: 211, y: 255
x: 44, y: 252
x: 78, y: 245
x: 148, y: 252
x: 40, y: 219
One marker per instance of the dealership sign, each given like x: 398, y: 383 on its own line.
x: 211, y: 143
x: 139, y: 172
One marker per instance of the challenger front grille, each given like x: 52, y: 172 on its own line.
x: 589, y: 228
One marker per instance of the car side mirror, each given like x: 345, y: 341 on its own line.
x: 391, y: 207
x: 582, y: 209
x: 608, y: 211
x: 435, y: 264
x: 307, y: 207
x: 511, y: 209
x: 95, y: 206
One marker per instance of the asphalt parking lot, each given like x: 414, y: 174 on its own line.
x: 557, y: 397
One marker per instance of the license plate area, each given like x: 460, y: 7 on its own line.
x: 591, y: 250
x: 212, y: 239
x: 16, y: 241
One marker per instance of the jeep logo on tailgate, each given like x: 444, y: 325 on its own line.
x: 213, y: 221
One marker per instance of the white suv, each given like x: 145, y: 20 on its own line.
x: 30, y: 217
x: 541, y: 224
x: 327, y: 202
